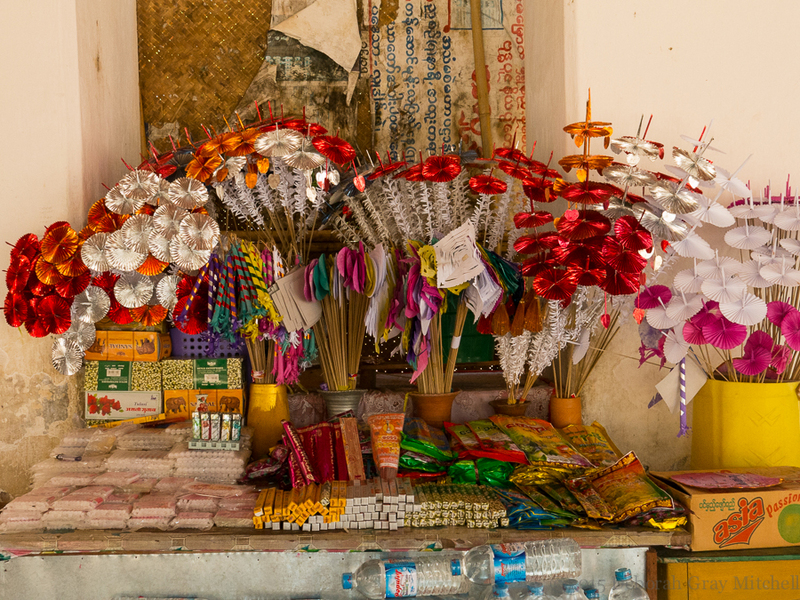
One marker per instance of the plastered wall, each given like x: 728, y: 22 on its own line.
x: 687, y: 63
x: 69, y: 108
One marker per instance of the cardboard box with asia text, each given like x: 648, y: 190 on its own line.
x: 740, y: 518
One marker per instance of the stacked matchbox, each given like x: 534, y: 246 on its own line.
x: 378, y: 504
x: 372, y: 504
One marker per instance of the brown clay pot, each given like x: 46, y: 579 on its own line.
x: 565, y: 411
x: 434, y: 409
x: 501, y: 407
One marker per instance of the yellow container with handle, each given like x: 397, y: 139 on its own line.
x: 269, y: 405
x: 745, y: 425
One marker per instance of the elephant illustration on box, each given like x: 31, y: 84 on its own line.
x: 145, y: 347
x: 176, y: 404
x: 229, y: 403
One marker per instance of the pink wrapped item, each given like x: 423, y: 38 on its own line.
x: 140, y: 486
x: 217, y: 490
x: 55, y: 520
x: 193, y: 520
x: 77, y: 502
x: 21, y: 521
x: 117, y: 478
x: 154, y: 507
x: 234, y: 518
x: 71, y: 479
x: 122, y: 498
x: 195, y: 502
x: 162, y: 523
x: 243, y: 502
x: 172, y: 484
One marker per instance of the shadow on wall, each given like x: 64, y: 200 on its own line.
x: 37, y: 406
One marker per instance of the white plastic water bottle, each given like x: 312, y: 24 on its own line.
x: 572, y: 591
x: 626, y: 588
x: 591, y: 594
x: 407, y: 577
x: 512, y: 563
x: 536, y: 592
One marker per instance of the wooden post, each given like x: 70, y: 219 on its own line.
x: 480, y: 77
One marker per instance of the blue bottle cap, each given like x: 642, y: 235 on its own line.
x: 591, y: 593
x: 455, y: 567
x: 347, y: 581
x: 571, y: 585
x: 622, y: 574
x: 536, y: 588
x: 500, y: 590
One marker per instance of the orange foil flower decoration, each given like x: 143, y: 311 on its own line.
x: 201, y: 167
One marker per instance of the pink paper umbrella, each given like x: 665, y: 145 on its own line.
x: 709, y: 314
x: 726, y: 335
x: 781, y: 355
x: 777, y: 311
x: 759, y: 339
x: 653, y: 296
x: 753, y: 362
x: 693, y: 334
x: 790, y: 328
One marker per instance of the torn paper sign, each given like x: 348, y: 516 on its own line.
x: 457, y: 257
x: 289, y: 299
x: 670, y: 388
x: 329, y: 26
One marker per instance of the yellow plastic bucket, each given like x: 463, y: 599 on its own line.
x: 268, y: 406
x: 745, y: 425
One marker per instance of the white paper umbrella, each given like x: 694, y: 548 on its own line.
x: 728, y: 289
x: 731, y: 183
x: 713, y: 212
x: 748, y: 237
x: 658, y: 319
x: 747, y: 310
x: 766, y: 213
x: 769, y: 254
x: 789, y: 219
x: 688, y: 281
x: 699, y: 144
x: 791, y: 245
x: 693, y: 246
x: 675, y: 347
x: 684, y: 306
x: 781, y: 272
x: 718, y: 267
x: 751, y: 275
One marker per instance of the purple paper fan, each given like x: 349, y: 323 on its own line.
x: 777, y: 311
x: 653, y: 296
x: 726, y: 335
x: 753, y: 362
x: 693, y: 334
x: 790, y: 328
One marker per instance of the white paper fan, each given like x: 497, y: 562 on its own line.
x: 675, y: 346
x: 693, y: 246
x: 791, y: 245
x: 781, y: 272
x: 748, y: 237
x: 731, y: 183
x: 747, y: 310
x: 718, y: 267
x: 658, y: 319
x: 699, y: 144
x: 766, y: 213
x: 789, y: 219
x: 769, y: 254
x: 683, y: 306
x: 688, y: 281
x: 728, y: 289
x: 751, y: 275
x: 582, y: 346
x: 713, y: 212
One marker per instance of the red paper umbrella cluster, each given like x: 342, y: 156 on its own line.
x: 334, y: 148
x: 196, y: 320
x: 43, y: 277
x: 488, y: 185
x: 441, y: 169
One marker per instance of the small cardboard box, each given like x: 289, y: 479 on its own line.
x: 143, y: 346
x: 122, y: 376
x: 738, y: 519
x: 203, y: 373
x: 198, y: 398
x: 230, y: 401
x: 176, y: 403
x: 114, y: 405
x: 98, y: 350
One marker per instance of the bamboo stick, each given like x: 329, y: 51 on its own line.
x: 480, y: 77
x: 452, y: 355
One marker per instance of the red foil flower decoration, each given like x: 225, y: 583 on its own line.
x: 555, y: 284
x: 487, y: 184
x: 334, y: 148
x: 441, y: 169
x: 54, y: 314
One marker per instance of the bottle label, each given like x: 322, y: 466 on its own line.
x: 509, y: 563
x: 401, y: 579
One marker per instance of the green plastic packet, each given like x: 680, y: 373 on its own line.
x: 419, y: 462
x: 421, y: 438
x: 486, y: 471
x: 544, y: 501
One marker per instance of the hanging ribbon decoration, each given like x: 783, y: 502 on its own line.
x: 684, y: 427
